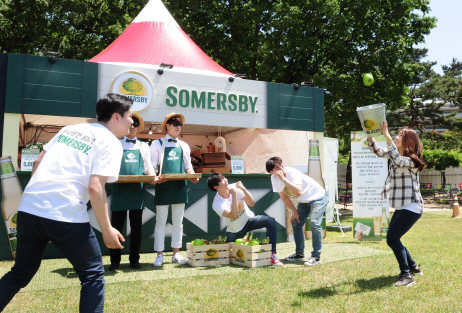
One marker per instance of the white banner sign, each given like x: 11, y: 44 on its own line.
x: 204, y: 99
x: 368, y: 177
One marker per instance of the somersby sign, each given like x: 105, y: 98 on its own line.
x: 135, y: 86
x: 204, y: 100
x: 207, y: 100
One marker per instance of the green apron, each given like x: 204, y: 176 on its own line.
x: 129, y: 196
x: 172, y: 192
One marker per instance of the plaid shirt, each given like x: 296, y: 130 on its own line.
x: 402, y: 184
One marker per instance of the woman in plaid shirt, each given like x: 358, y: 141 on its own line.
x: 402, y: 188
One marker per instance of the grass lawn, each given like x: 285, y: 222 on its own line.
x: 354, y: 277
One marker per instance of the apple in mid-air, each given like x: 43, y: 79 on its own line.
x: 368, y: 79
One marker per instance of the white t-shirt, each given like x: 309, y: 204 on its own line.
x: 58, y: 190
x: 145, y: 151
x: 220, y: 204
x: 311, y: 190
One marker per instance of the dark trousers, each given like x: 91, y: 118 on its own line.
x: 77, y: 242
x: 257, y: 222
x: 136, y: 221
x: 401, y: 221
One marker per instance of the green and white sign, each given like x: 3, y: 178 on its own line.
x: 237, y: 164
x: 370, y: 212
x: 28, y: 157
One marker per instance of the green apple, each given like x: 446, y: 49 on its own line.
x: 254, y: 242
x: 198, y: 242
x: 238, y: 241
x: 368, y: 79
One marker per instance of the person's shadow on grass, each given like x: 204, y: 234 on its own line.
x: 66, y: 272
x: 362, y: 285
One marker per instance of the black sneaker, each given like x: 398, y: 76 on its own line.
x: 405, y: 281
x: 416, y: 271
x: 295, y: 257
x: 113, y: 267
x: 135, y: 265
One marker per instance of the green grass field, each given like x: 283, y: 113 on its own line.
x: 354, y: 277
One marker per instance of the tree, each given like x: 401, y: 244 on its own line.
x: 442, y: 150
x: 330, y: 42
x: 78, y: 29
x: 428, y: 94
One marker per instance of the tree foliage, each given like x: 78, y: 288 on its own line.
x: 330, y: 42
x: 428, y: 94
x: 442, y: 150
x: 78, y: 29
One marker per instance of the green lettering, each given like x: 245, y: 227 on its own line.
x: 199, y: 101
x: 70, y: 142
x: 253, y: 102
x: 82, y: 146
x: 65, y: 140
x: 232, y: 105
x: 86, y: 149
x: 184, y: 98
x: 243, y: 104
x: 221, y: 100
x: 170, y: 91
x: 210, y: 100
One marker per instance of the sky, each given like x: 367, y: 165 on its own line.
x: 445, y: 40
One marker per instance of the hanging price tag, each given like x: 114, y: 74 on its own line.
x: 237, y: 164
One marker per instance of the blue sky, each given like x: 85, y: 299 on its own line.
x: 445, y: 41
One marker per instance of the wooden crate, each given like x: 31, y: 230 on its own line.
x: 207, y: 255
x: 249, y: 255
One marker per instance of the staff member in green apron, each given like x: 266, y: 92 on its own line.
x: 170, y: 155
x: 130, y: 197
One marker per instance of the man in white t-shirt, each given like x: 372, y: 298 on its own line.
x: 231, y: 202
x: 72, y: 169
x: 293, y: 185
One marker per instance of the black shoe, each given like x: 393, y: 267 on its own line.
x: 295, y: 257
x: 113, y: 267
x: 416, y: 271
x: 405, y: 281
x: 136, y: 265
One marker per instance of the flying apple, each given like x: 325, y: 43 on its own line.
x: 368, y: 79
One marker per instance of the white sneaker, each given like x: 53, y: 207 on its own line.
x: 177, y: 258
x: 312, y: 261
x: 159, y: 260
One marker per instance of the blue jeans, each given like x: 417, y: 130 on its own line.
x: 77, y: 242
x: 257, y: 222
x: 315, y: 210
x: 401, y: 222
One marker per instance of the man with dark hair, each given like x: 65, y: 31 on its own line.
x: 112, y: 103
x: 293, y: 185
x: 72, y: 169
x: 231, y: 202
x: 170, y: 155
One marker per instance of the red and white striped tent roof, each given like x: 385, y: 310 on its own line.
x: 154, y: 37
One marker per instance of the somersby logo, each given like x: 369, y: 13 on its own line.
x: 135, y: 86
x: 131, y: 158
